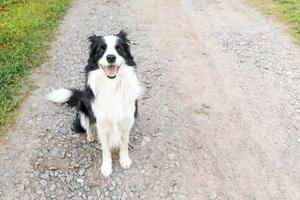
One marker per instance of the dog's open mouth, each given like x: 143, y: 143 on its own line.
x: 111, y: 71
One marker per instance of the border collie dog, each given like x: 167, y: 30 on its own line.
x: 107, y: 106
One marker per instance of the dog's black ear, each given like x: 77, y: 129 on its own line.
x: 126, y: 48
x: 94, y: 48
x: 123, y: 35
x: 92, y: 38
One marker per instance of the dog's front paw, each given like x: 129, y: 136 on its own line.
x: 106, y: 169
x: 90, y: 137
x: 125, y: 161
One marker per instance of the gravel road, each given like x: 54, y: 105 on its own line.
x: 220, y: 117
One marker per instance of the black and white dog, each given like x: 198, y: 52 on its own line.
x: 107, y: 106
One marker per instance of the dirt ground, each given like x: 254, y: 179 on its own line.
x: 219, y: 119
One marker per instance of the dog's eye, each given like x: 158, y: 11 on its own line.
x: 118, y: 47
x: 103, y: 47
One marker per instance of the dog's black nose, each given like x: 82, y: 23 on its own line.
x: 111, y: 58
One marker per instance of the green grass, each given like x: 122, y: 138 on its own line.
x: 26, y: 27
x: 287, y: 11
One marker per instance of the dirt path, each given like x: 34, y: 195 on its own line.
x: 220, y: 118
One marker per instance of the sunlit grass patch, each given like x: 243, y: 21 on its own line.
x: 25, y: 30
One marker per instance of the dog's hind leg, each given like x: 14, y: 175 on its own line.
x: 88, y: 126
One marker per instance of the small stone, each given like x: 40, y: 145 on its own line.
x: 43, y: 182
x: 131, y: 194
x: 74, y: 164
x: 20, y: 187
x: 62, y: 178
x: 28, y: 190
x: 98, y: 147
x: 155, y: 165
x: 135, y: 146
x: 172, y: 156
x: 157, y: 73
x: 51, y: 173
x: 93, y: 183
x: 39, y: 192
x: 113, y: 183
x: 140, y: 167
x: 52, y: 168
x: 146, y: 96
x: 111, y: 188
x: 69, y: 178
x: 98, y: 193
x: 124, y: 196
x: 156, y: 134
x: 56, y: 173
x: 81, y: 172
x: 74, y: 185
x: 90, y: 198
x: 60, y: 192
x: 148, y: 85
x: 213, y: 196
x: 145, y: 140
x: 77, y: 198
x: 52, y: 188
x: 44, y: 176
x: 79, y: 180
x: 156, y: 189
x: 205, y: 106
x: 69, y: 195
x: 87, y: 188
x: 119, y: 181
x: 114, y: 197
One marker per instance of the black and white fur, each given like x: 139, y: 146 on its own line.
x: 108, y: 104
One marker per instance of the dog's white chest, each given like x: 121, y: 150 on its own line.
x: 114, y: 98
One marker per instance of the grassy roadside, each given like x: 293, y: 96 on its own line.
x: 288, y: 11
x: 26, y: 27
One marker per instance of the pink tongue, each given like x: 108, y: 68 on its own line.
x: 111, y: 71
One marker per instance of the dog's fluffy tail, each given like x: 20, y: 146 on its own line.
x: 69, y: 96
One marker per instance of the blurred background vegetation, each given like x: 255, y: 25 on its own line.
x: 26, y: 27
x: 288, y: 11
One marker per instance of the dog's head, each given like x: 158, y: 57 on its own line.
x: 111, y: 53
